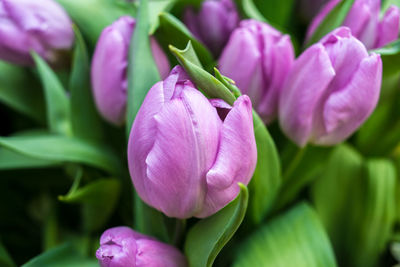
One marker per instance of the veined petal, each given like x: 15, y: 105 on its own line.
x: 389, y: 27
x: 151, y: 253
x: 236, y: 158
x: 185, y: 145
x: 308, y: 79
x: 345, y: 110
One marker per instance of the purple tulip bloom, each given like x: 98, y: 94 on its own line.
x: 258, y: 58
x: 363, y: 20
x: 25, y: 25
x: 186, y: 153
x: 123, y: 247
x: 330, y: 91
x: 213, y: 24
x: 109, y: 67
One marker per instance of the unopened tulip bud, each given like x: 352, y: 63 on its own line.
x: 364, y: 21
x: 32, y: 25
x: 109, y: 67
x: 213, y: 24
x: 258, y: 58
x: 187, y: 154
x: 330, y: 91
x: 123, y: 247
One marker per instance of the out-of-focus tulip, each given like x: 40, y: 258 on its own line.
x: 258, y: 58
x: 109, y: 67
x: 186, y: 153
x: 213, y: 24
x: 330, y: 91
x: 25, y: 25
x: 123, y: 247
x: 363, y: 20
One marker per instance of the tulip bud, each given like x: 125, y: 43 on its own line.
x: 109, y: 67
x: 25, y: 25
x: 213, y: 24
x: 330, y: 91
x: 186, y: 153
x: 258, y: 58
x: 123, y: 247
x: 363, y: 20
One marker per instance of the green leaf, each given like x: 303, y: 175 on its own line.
x: 306, y: 166
x: 62, y: 149
x: 390, y: 55
x: 62, y: 256
x: 206, y: 239
x: 210, y: 85
x: 172, y: 31
x: 86, y: 123
x: 98, y: 198
x: 356, y: 203
x: 266, y: 180
x: 14, y: 160
x: 5, y: 259
x: 332, y: 20
x: 92, y: 16
x: 296, y: 238
x: 155, y: 9
x: 250, y: 10
x: 142, y: 70
x: 57, y: 103
x: 19, y: 91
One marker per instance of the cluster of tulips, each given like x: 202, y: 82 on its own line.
x: 197, y: 148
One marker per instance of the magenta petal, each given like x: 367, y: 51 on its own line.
x: 236, y: 158
x: 345, y: 110
x: 307, y: 81
x: 160, y: 58
x: 389, y: 27
x: 247, y: 73
x: 320, y: 17
x: 151, y: 253
x: 185, y: 146
x: 108, y: 73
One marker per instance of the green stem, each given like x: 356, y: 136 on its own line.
x: 294, y: 164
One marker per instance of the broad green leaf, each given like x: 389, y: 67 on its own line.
x: 206, y: 239
x: 57, y: 102
x: 14, y: 160
x: 149, y: 221
x: 142, y: 70
x: 302, y: 170
x: 65, y: 255
x: 62, y: 149
x: 155, y: 9
x: 92, y: 16
x: 5, y: 259
x: 210, y: 85
x: 172, y: 31
x: 332, y: 20
x: 19, y: 91
x: 98, y: 198
x: 266, y: 181
x: 85, y: 120
x: 296, y: 238
x: 278, y: 12
x: 356, y: 203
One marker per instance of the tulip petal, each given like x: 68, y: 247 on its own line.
x: 389, y: 27
x: 151, y: 253
x: 236, y: 158
x: 277, y: 63
x: 345, y: 110
x: 160, y: 58
x: 307, y: 81
x: 241, y: 61
x: 184, y: 149
x: 109, y: 71
x: 320, y: 17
